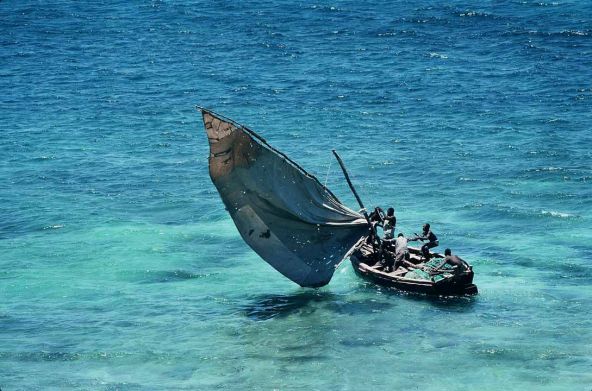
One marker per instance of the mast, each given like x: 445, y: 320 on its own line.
x: 352, y: 188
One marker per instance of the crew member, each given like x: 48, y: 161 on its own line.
x: 459, y: 265
x: 390, y: 221
x: 432, y: 239
x: 401, y: 250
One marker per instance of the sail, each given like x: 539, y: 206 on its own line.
x: 283, y: 213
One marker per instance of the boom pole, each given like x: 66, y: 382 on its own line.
x: 352, y: 188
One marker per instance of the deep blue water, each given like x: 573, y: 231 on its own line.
x: 121, y: 270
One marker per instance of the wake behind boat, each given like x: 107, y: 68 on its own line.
x: 294, y: 222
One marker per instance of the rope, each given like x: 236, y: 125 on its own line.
x: 327, y: 176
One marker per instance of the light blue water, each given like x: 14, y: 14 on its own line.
x: 121, y: 270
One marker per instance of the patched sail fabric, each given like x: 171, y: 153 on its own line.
x: 285, y: 214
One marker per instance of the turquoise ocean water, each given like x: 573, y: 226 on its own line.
x: 121, y: 270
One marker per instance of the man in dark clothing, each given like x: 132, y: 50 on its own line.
x: 388, y: 227
x: 458, y: 264
x: 388, y: 223
x: 432, y: 239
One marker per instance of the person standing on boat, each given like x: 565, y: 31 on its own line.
x: 430, y: 237
x: 401, y: 250
x: 388, y: 229
x: 459, y: 265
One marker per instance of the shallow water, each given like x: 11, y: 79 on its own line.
x: 120, y: 268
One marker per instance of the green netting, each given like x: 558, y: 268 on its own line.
x: 417, y: 274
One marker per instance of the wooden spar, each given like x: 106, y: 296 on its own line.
x: 351, y: 186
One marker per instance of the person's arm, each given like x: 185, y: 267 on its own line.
x: 424, y: 237
x: 417, y: 237
x: 440, y: 271
x: 410, y: 265
x: 465, y: 264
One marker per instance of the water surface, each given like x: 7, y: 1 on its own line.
x: 121, y: 270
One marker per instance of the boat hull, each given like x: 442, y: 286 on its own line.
x: 453, y: 285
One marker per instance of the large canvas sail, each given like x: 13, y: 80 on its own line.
x: 285, y: 214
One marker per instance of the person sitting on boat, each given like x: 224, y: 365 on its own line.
x: 458, y: 264
x: 430, y: 237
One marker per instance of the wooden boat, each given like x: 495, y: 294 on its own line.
x: 364, y: 262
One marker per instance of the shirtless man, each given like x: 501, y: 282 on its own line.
x: 458, y: 264
x: 430, y: 237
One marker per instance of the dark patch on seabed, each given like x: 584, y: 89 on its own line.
x: 363, y: 341
x: 39, y: 356
x: 303, y: 358
x: 160, y: 276
x: 358, y: 307
x: 571, y: 273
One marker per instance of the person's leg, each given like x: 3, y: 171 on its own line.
x: 389, y: 261
x: 425, y: 249
x: 399, y: 259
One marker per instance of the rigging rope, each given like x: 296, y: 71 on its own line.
x: 327, y: 176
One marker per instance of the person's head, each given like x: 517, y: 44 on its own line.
x: 426, y: 227
x: 400, y: 234
x: 447, y: 252
x: 390, y: 212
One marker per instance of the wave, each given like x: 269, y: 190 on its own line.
x: 438, y: 55
x: 475, y: 14
x: 545, y: 169
x: 537, y: 33
x: 497, y: 212
x: 56, y: 226
x: 562, y: 215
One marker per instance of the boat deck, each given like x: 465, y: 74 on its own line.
x: 413, y: 277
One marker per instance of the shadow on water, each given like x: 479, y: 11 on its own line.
x: 307, y: 302
x: 272, y: 306
x: 448, y: 303
x: 266, y: 307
